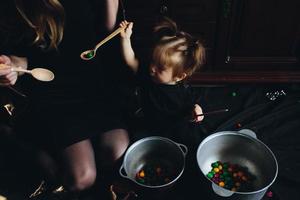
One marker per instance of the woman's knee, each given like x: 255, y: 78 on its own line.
x: 120, y: 144
x: 83, y: 180
x: 113, y: 144
x: 79, y: 165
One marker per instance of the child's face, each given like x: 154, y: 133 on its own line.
x: 165, y: 76
x: 162, y: 75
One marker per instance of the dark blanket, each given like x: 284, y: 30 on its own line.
x: 273, y: 113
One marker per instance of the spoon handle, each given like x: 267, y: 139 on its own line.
x: 113, y: 34
x: 214, y: 112
x: 16, y: 91
x: 20, y: 69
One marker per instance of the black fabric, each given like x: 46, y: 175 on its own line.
x: 163, y: 105
x: 272, y: 112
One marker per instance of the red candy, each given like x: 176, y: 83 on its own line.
x: 230, y: 176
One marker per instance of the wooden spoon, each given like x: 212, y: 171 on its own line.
x: 90, y: 54
x: 40, y: 74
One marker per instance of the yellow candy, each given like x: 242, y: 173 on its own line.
x: 216, y: 170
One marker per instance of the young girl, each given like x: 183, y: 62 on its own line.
x: 174, y: 56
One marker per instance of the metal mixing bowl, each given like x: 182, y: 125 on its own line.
x: 241, y: 148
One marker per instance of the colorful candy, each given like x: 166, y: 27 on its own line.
x: 154, y: 174
x: 230, y: 176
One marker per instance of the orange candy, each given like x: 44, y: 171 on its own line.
x: 142, y: 174
x: 221, y: 184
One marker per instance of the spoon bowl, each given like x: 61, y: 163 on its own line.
x: 42, y: 74
x: 88, y: 54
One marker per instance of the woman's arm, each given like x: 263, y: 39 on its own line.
x: 126, y: 47
x: 111, y: 12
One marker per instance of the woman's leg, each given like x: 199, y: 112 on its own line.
x: 79, y: 166
x: 112, y: 146
x: 49, y: 167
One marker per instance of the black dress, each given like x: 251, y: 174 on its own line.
x: 166, y: 110
x: 81, y: 101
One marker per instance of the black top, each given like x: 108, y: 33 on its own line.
x: 164, y: 105
x: 83, y: 99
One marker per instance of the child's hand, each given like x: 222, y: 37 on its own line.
x: 196, y: 112
x: 7, y: 76
x: 127, y: 32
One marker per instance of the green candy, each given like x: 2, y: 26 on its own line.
x: 141, y: 180
x: 89, y: 55
x: 226, y: 174
x: 210, y: 175
x: 225, y: 165
x: 215, y: 164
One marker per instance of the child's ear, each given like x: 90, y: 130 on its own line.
x: 181, y: 77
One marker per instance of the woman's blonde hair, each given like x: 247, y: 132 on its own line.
x: 46, y: 17
x: 176, y: 49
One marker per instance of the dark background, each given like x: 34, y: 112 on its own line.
x: 245, y: 40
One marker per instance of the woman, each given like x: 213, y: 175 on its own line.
x: 64, y: 116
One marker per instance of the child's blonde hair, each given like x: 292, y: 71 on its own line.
x: 176, y: 49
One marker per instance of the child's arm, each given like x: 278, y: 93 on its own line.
x: 197, y: 111
x: 126, y: 47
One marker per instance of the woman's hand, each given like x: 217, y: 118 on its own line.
x: 196, y: 112
x: 7, y: 76
x: 127, y: 32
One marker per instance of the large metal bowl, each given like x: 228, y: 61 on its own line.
x: 150, y: 149
x: 242, y: 148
